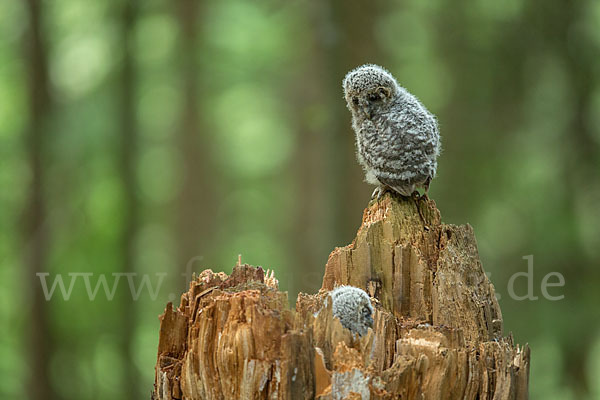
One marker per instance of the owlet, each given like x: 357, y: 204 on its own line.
x: 397, y: 139
x: 353, y: 308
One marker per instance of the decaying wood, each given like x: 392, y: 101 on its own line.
x: 437, y: 331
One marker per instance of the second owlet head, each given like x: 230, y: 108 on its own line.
x: 397, y: 139
x: 353, y: 308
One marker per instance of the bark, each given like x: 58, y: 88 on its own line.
x: 437, y: 332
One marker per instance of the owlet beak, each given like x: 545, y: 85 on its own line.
x: 370, y: 322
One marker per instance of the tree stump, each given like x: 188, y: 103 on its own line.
x: 437, y: 332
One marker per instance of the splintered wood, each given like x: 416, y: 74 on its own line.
x: 437, y: 330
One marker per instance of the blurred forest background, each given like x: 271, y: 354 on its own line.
x: 157, y: 137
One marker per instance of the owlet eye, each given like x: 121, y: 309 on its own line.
x: 374, y: 97
x: 366, y: 312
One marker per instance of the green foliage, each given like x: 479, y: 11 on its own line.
x: 515, y: 86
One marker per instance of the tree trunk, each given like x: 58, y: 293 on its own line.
x: 37, y: 230
x: 437, y: 331
x: 128, y: 157
x: 195, y: 195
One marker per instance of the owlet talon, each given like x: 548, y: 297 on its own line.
x: 378, y: 192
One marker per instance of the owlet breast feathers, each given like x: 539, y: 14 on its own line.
x: 397, y: 139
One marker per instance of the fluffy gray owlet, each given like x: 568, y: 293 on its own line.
x: 397, y: 139
x: 353, y: 307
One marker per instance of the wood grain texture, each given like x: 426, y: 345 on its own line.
x: 437, y: 331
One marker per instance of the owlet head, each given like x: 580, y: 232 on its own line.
x: 353, y: 308
x: 368, y: 89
